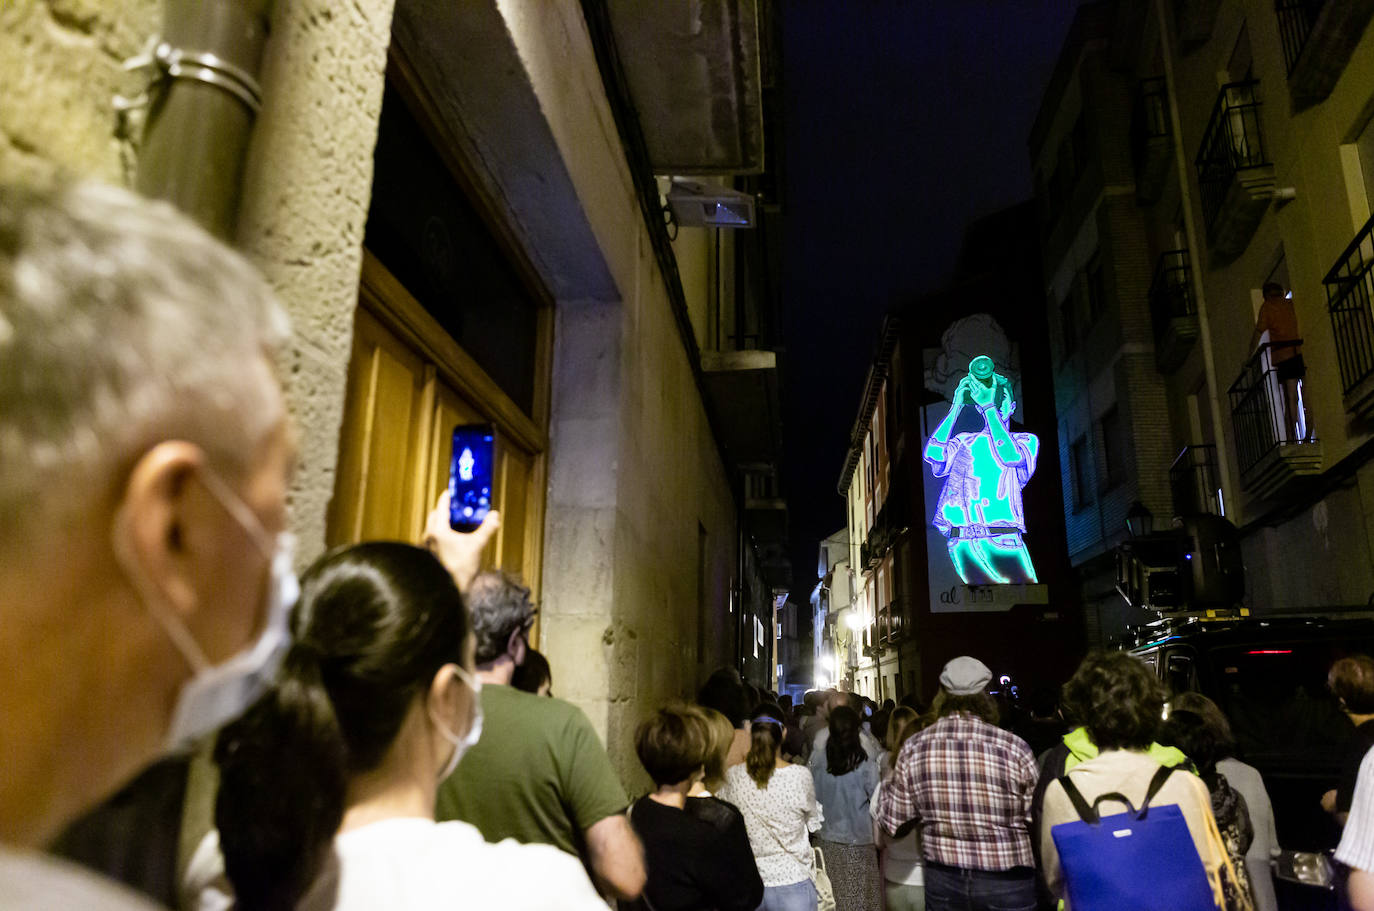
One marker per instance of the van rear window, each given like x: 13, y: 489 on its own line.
x: 1275, y: 695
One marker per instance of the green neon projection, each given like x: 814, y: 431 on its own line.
x: 979, y: 511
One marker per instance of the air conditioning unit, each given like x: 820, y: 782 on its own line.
x: 702, y: 205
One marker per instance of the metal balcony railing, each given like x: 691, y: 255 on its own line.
x: 1257, y: 406
x: 1296, y: 18
x: 1195, y: 482
x: 1171, y: 290
x: 1232, y: 143
x: 1349, y: 294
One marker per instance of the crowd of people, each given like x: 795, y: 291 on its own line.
x: 384, y: 736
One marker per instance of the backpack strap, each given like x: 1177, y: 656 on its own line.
x: 1155, y: 784
x: 1086, y: 813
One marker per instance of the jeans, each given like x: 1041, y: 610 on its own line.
x: 958, y: 889
x: 794, y: 897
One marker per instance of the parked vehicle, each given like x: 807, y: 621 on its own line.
x: 1269, y: 677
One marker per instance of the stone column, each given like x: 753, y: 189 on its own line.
x: 306, y: 192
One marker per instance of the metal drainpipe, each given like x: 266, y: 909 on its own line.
x: 202, y: 109
x: 1195, y: 256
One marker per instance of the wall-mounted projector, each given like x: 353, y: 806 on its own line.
x: 703, y: 205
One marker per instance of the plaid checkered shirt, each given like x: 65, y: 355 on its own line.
x: 968, y: 784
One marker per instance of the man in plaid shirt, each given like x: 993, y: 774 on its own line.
x: 968, y: 785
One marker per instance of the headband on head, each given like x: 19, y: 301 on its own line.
x: 769, y: 719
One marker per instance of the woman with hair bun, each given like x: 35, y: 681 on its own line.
x: 778, y: 800
x: 375, y: 703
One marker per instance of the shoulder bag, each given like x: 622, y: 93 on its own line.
x: 820, y: 878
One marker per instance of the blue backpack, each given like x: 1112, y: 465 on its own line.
x: 1140, y: 860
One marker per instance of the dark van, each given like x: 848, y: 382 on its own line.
x: 1269, y: 677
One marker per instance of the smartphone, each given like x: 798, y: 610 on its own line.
x: 469, y: 476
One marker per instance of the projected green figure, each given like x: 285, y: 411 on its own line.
x: 979, y: 511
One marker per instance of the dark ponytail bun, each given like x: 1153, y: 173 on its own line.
x: 375, y: 623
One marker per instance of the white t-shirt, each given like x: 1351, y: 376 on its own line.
x: 778, y: 819
x: 1357, y: 841
x: 410, y: 864
x: 33, y: 881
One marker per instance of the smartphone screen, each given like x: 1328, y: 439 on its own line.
x: 469, y: 476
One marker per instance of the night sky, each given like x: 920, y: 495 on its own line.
x: 904, y: 120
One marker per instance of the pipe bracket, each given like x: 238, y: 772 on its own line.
x: 170, y: 63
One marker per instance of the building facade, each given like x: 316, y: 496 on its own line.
x: 915, y: 608
x: 462, y: 217
x: 833, y: 621
x: 1186, y: 155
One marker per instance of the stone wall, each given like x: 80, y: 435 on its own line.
x: 634, y: 469
x: 305, y: 192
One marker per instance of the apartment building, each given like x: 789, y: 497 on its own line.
x: 1186, y: 155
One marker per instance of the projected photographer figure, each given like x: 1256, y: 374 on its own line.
x: 979, y: 511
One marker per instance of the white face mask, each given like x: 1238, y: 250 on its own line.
x: 462, y: 744
x: 218, y: 693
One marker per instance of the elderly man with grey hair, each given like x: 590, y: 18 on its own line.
x: 144, y: 461
x: 539, y: 774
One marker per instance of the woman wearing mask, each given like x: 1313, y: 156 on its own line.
x: 845, y: 780
x: 374, y: 705
x: 778, y: 801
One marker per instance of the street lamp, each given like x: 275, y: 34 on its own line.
x: 1140, y: 522
x: 855, y: 620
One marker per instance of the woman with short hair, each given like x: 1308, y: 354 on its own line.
x: 696, y: 849
x: 1120, y: 702
x: 778, y: 800
x: 1240, y: 801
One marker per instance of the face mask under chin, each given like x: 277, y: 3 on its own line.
x: 462, y: 744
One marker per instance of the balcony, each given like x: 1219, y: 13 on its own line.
x: 1318, y: 39
x: 1270, y: 447
x: 1195, y: 482
x: 1349, y: 293
x: 1151, y: 139
x: 1234, y: 173
x: 1195, y: 19
x: 1173, y: 309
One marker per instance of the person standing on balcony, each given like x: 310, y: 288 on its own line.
x: 1277, y: 317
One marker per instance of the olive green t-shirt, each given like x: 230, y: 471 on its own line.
x: 539, y: 774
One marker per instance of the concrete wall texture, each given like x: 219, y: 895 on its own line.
x: 634, y: 472
x: 635, y: 475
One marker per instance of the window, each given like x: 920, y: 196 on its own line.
x: 1068, y: 324
x: 1114, y: 445
x: 1096, y: 288
x: 1078, y: 464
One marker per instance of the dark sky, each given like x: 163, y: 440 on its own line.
x: 903, y: 121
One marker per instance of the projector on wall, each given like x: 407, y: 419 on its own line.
x: 702, y: 205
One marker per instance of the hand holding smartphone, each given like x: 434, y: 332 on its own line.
x: 470, y: 476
